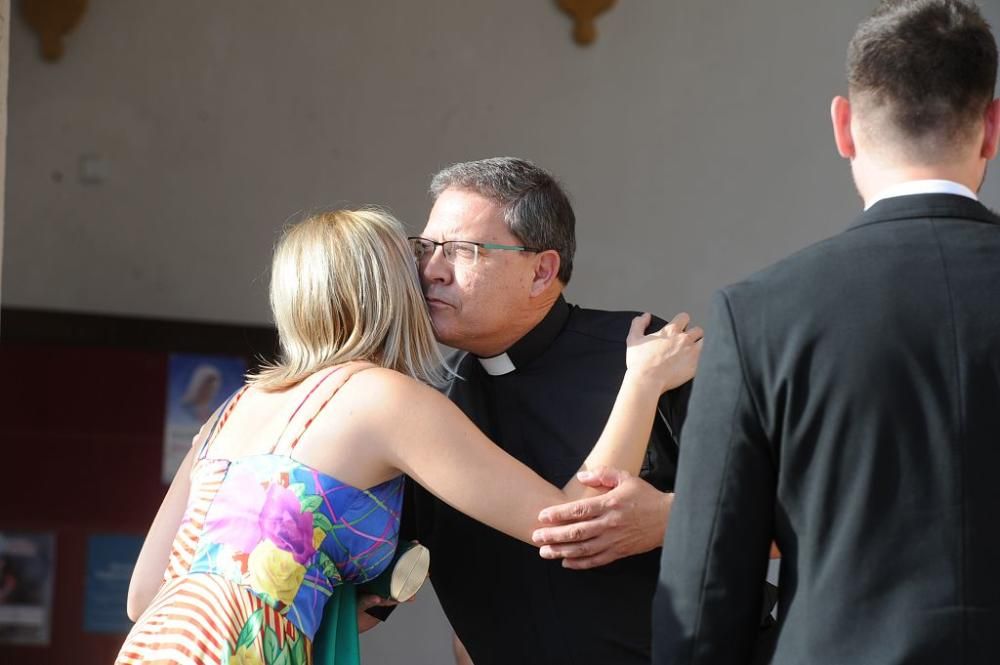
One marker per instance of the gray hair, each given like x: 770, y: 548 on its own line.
x: 535, y: 208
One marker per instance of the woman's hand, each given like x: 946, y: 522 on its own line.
x: 367, y: 621
x: 668, y: 357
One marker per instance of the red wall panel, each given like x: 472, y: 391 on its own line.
x: 81, y: 432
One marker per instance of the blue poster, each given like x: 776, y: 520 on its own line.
x: 196, y: 386
x: 110, y: 560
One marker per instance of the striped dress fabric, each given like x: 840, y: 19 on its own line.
x: 263, y: 542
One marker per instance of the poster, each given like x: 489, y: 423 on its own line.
x: 27, y: 569
x: 196, y: 386
x: 110, y: 560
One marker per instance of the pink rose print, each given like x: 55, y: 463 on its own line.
x: 235, y: 515
x: 284, y: 524
x: 247, y: 511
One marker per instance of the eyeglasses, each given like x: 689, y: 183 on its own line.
x: 458, y: 252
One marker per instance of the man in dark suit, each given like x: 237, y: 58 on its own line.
x: 848, y: 398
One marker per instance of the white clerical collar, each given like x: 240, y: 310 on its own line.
x: 923, y: 187
x: 533, y: 344
x: 497, y: 365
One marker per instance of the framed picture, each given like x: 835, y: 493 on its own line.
x: 196, y: 386
x: 27, y: 571
x: 111, y: 558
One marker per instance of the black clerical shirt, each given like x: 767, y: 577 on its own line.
x: 506, y: 603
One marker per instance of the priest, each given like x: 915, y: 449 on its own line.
x: 539, y: 377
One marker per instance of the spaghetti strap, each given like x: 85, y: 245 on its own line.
x: 277, y: 442
x: 222, y: 415
x: 287, y: 450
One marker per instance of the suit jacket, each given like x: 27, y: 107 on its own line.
x: 848, y: 406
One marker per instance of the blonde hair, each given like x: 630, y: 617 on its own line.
x: 344, y: 287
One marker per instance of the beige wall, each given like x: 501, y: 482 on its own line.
x: 693, y: 137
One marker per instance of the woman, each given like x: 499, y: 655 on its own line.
x: 293, y: 489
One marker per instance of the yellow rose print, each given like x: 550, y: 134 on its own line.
x: 275, y: 572
x: 244, y: 656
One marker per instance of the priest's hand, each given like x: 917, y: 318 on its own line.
x: 630, y: 518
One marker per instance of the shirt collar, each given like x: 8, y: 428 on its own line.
x: 923, y: 187
x: 532, y: 345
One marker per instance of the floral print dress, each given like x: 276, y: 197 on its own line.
x: 264, y: 544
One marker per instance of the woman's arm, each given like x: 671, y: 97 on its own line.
x: 423, y: 434
x: 655, y: 363
x: 147, y: 576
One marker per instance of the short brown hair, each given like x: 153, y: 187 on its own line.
x: 929, y: 66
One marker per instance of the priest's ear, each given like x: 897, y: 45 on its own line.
x: 546, y: 271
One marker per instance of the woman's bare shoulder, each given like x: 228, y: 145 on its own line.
x: 377, y: 403
x: 384, y: 385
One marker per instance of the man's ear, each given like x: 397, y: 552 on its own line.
x: 546, y: 271
x: 840, y: 115
x: 992, y: 134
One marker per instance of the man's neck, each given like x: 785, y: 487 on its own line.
x: 521, y: 323
x: 883, y: 179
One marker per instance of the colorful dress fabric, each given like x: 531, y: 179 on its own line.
x: 264, y: 544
